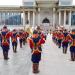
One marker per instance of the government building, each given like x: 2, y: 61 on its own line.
x: 46, y: 13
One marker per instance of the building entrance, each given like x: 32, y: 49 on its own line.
x: 46, y: 25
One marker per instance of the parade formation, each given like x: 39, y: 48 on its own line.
x: 35, y: 41
x: 64, y: 38
x: 7, y: 37
x: 61, y: 37
x: 37, y: 37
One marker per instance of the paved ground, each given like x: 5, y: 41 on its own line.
x: 18, y: 64
x: 54, y: 62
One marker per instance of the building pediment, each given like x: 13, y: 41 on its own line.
x: 47, y: 1
x: 65, y: 2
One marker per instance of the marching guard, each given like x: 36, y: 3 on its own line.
x: 59, y: 37
x: 35, y: 44
x: 24, y: 37
x: 5, y: 41
x: 21, y: 38
x: 65, y: 41
x: 72, y: 46
x: 14, y: 36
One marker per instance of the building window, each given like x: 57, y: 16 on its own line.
x: 73, y: 18
x: 9, y: 18
x: 67, y: 18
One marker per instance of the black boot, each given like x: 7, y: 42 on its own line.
x: 14, y: 49
x: 35, y: 68
x: 23, y: 41
x: 64, y: 50
x: 72, y: 56
x: 20, y: 45
x: 5, y: 55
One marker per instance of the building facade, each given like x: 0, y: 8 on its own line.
x: 45, y: 13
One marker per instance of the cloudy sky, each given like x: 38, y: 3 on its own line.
x: 16, y: 2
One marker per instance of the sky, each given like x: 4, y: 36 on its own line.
x: 17, y: 2
x: 12, y: 2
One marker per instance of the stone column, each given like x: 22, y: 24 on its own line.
x: 53, y: 16
x: 70, y: 17
x: 0, y: 18
x: 29, y: 17
x: 64, y: 17
x: 38, y: 16
x: 23, y: 18
x: 59, y: 18
x: 33, y: 18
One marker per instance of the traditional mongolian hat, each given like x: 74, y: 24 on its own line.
x: 5, y: 27
x: 35, y: 32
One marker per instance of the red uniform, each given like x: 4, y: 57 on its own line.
x: 31, y: 43
x: 14, y: 36
x: 59, y: 37
x: 5, y: 44
x: 65, y: 42
x: 35, y: 44
x: 21, y: 38
x: 72, y: 46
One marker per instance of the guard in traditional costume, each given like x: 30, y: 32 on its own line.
x: 59, y: 37
x: 24, y: 37
x: 14, y: 36
x: 54, y: 37
x: 5, y: 42
x: 21, y: 38
x: 35, y: 44
x: 72, y: 46
x: 65, y: 41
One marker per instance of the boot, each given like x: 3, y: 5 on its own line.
x: 35, y: 68
x: 15, y: 47
x: 72, y: 56
x: 64, y: 50
x: 20, y: 45
x: 23, y: 41
x: 59, y: 45
x: 6, y: 56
